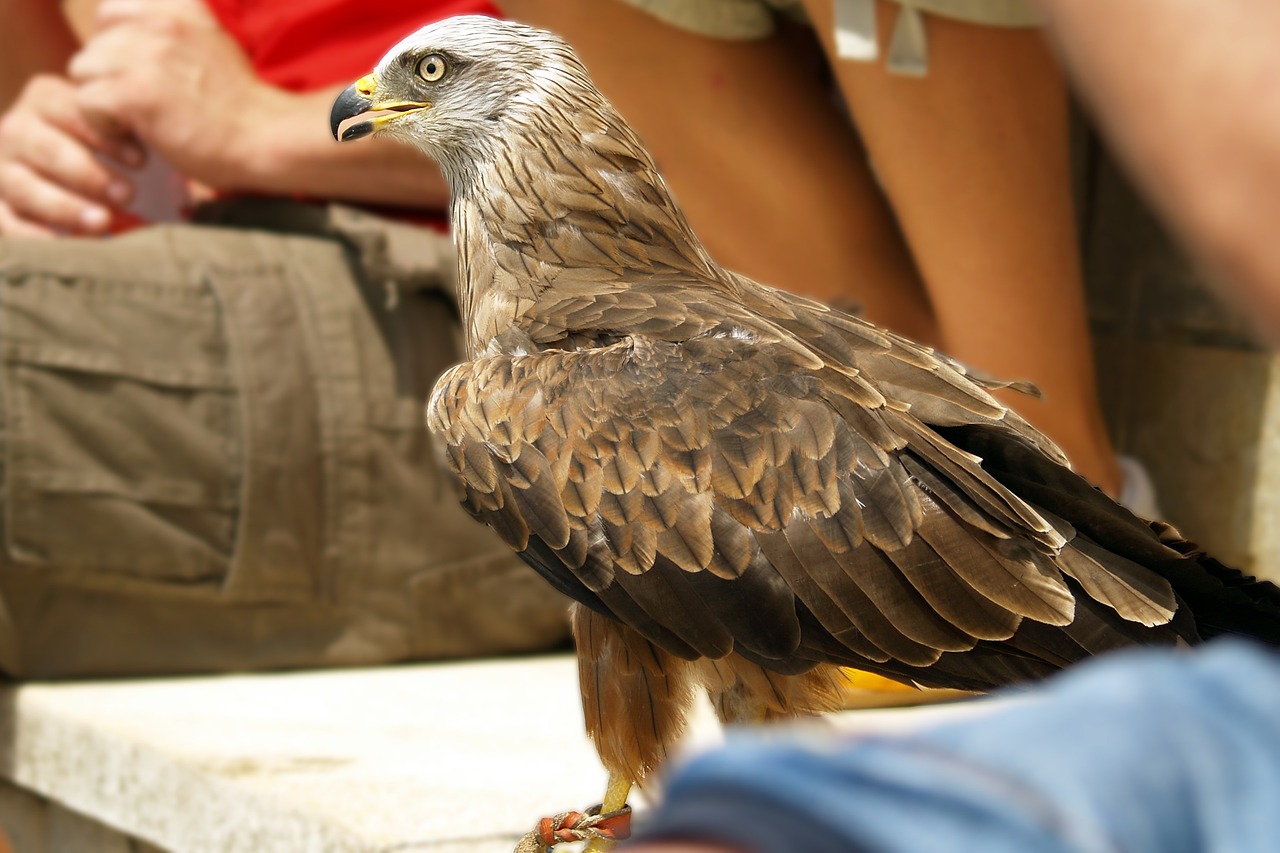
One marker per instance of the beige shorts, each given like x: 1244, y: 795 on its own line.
x: 855, y: 22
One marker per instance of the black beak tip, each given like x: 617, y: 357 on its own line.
x: 356, y: 131
x: 350, y: 104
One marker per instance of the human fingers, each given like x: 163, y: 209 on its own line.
x: 118, y: 77
x: 51, y: 100
x: 64, y: 159
x: 49, y: 173
x: 12, y: 225
x: 117, y: 51
x: 187, y: 94
x: 34, y: 198
x: 110, y: 108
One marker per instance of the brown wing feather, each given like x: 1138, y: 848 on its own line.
x: 731, y: 495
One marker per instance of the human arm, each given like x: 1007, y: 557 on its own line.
x: 167, y: 71
x: 1188, y: 94
x: 290, y: 150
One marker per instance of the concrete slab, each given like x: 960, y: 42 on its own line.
x: 397, y: 758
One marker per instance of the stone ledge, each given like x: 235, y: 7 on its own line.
x: 445, y: 758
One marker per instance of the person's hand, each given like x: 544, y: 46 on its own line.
x: 51, y: 180
x: 166, y: 71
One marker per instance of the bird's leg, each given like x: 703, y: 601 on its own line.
x: 615, y: 793
x: 615, y: 800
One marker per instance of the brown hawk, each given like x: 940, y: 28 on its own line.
x: 742, y: 489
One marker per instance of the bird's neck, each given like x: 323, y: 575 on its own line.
x: 561, y: 213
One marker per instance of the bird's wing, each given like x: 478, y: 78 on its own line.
x: 724, y: 494
x: 939, y: 390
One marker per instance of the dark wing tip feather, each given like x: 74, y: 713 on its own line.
x: 1224, y: 600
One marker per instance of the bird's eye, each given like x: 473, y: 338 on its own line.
x: 432, y: 68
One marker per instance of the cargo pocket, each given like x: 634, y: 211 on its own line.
x: 122, y: 442
x: 160, y: 422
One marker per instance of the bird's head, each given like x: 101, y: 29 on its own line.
x: 539, y: 163
x: 451, y: 88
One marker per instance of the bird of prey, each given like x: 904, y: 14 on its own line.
x: 742, y: 489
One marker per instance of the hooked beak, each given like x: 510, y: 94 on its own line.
x: 359, y: 101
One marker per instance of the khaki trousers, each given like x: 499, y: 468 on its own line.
x: 214, y: 454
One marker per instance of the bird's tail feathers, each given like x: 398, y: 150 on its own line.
x: 1224, y: 600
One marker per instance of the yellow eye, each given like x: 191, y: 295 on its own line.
x: 432, y: 67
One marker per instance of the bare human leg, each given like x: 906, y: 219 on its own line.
x: 974, y: 159
x: 767, y: 169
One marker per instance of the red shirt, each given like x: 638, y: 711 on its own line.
x: 302, y: 45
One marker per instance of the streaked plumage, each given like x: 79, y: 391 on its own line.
x: 742, y: 488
